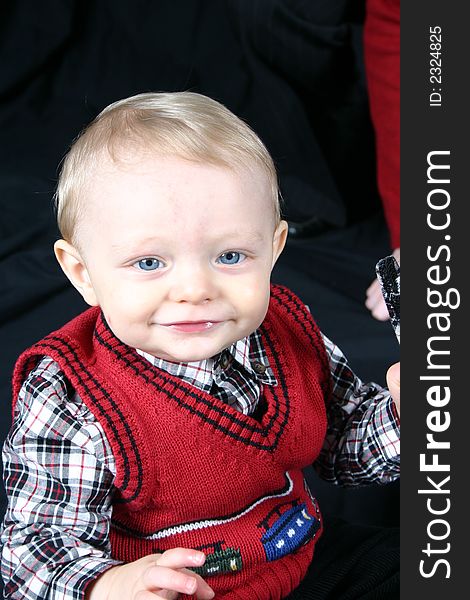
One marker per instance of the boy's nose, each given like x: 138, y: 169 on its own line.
x: 194, y: 285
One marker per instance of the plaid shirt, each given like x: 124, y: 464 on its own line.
x: 59, y: 469
x: 235, y: 376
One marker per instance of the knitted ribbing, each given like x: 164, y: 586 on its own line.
x: 194, y: 472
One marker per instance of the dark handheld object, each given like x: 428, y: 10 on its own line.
x: 388, y: 274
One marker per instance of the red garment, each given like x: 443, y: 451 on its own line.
x: 194, y: 472
x: 382, y: 59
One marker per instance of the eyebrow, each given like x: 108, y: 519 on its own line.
x: 124, y: 246
x: 251, y: 236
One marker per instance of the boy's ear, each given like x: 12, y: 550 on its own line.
x: 279, y: 240
x: 74, y: 267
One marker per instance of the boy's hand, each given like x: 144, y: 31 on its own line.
x: 393, y: 382
x: 374, y: 299
x: 162, y: 576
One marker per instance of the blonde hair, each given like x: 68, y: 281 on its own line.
x: 183, y: 124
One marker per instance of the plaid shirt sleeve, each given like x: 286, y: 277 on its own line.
x: 58, y: 472
x: 362, y: 443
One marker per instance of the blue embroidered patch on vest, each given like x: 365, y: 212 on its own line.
x: 287, y: 527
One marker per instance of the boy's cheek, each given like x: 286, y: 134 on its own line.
x: 252, y: 293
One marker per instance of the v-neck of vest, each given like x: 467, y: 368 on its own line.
x: 264, y: 434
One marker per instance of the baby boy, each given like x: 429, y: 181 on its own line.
x: 159, y: 438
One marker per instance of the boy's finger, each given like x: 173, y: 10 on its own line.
x: 373, y: 288
x: 203, y: 591
x: 182, y: 559
x: 393, y: 375
x: 158, y: 577
x: 179, y: 558
x: 393, y: 382
x: 380, y: 312
x: 162, y: 595
x: 378, y: 308
x: 375, y: 302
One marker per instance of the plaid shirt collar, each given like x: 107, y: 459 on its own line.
x: 235, y: 375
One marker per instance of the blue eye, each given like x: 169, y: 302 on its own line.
x: 231, y: 258
x: 148, y: 264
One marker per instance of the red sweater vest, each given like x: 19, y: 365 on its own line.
x: 193, y: 472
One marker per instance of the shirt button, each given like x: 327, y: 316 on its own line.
x: 224, y: 360
x: 259, y: 367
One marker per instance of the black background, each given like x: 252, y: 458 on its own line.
x: 292, y: 69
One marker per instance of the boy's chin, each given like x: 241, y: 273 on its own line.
x: 191, y: 357
x: 187, y: 356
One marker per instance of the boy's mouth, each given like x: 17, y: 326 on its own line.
x: 192, y: 326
